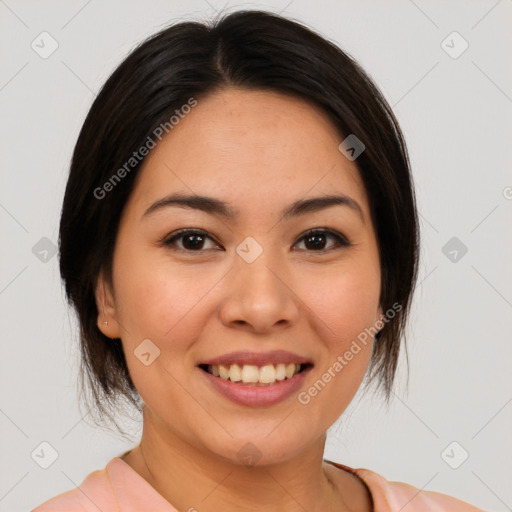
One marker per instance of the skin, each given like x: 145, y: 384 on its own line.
x: 259, y: 151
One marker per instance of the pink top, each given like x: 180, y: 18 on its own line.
x: 118, y: 487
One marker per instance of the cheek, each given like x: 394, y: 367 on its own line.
x: 157, y: 297
x: 343, y: 309
x: 159, y: 302
x: 345, y: 301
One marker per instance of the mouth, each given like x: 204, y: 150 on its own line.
x: 254, y: 375
x: 256, y: 379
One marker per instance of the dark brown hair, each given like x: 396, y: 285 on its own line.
x: 249, y: 49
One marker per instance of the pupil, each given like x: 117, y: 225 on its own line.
x: 316, y: 236
x: 196, y: 243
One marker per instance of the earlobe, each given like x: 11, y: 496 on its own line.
x: 107, y: 317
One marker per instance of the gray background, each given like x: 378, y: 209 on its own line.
x: 455, y: 113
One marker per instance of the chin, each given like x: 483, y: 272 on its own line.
x: 261, y: 449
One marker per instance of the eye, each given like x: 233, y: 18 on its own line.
x: 192, y: 240
x: 316, y: 239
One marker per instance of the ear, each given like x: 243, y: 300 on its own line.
x: 107, y: 315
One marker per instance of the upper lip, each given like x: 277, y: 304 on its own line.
x: 257, y: 358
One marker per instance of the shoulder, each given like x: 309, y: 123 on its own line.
x: 67, y: 501
x: 407, y: 498
x: 93, y: 494
x: 389, y: 496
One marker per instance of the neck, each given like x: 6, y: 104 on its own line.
x: 194, y: 479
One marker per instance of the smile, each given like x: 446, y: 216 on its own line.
x: 256, y: 378
x: 253, y: 375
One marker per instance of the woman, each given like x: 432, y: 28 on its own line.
x: 239, y: 238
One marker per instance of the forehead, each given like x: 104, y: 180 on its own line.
x: 255, y: 149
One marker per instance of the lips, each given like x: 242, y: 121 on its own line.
x: 256, y: 394
x: 256, y: 378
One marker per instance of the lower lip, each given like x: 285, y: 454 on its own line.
x: 257, y: 395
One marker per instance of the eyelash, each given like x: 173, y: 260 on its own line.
x: 341, y: 240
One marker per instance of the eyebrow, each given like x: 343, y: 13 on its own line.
x: 219, y: 208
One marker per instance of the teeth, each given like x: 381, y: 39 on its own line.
x: 252, y: 374
x: 223, y: 371
x: 290, y: 370
x: 235, y: 373
x: 281, y: 372
x: 267, y: 374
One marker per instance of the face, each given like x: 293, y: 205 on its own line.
x: 254, y: 282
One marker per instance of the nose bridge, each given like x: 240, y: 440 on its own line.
x: 259, y: 294
x: 257, y: 266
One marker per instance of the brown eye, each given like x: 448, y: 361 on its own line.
x: 316, y: 239
x: 192, y: 240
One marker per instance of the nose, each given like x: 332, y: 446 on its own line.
x: 259, y: 296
